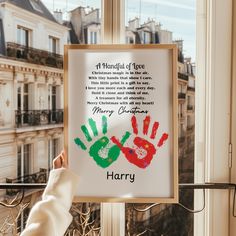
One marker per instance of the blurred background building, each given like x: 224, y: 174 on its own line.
x: 31, y: 93
x: 31, y: 100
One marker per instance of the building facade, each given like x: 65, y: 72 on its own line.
x: 31, y: 100
x: 31, y: 92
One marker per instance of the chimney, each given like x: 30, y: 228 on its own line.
x: 58, y: 16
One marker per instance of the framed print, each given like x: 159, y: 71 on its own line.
x: 121, y: 122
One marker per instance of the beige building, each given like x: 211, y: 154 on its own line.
x: 31, y: 93
x: 148, y: 32
x: 85, y: 26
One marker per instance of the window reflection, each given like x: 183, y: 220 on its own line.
x: 154, y: 22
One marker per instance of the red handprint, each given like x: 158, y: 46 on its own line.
x: 142, y: 155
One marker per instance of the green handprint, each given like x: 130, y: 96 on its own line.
x: 101, y: 144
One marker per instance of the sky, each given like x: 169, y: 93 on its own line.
x: 178, y: 16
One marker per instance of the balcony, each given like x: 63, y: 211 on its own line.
x: 181, y: 95
x: 182, y: 76
x: 39, y: 177
x: 190, y: 108
x: 33, y: 55
x: 191, y: 89
x: 190, y: 129
x: 181, y: 140
x: 38, y: 117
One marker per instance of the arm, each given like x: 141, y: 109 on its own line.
x: 51, y: 215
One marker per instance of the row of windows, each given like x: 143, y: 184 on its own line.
x: 23, y: 97
x: 25, y: 36
x: 25, y: 157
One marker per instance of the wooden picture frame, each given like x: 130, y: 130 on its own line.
x: 101, y: 138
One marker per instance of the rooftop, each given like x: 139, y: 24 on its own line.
x: 33, y: 6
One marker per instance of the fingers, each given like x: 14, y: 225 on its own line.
x: 61, y: 161
x: 134, y: 125
x: 57, y: 162
x: 65, y: 159
x: 146, y: 123
x: 125, y: 137
x: 116, y: 141
x: 163, y: 138
x: 123, y: 140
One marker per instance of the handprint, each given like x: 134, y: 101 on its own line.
x: 101, y: 147
x: 143, y: 153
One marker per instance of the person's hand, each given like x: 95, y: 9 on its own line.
x: 61, y: 161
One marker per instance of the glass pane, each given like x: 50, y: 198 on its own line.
x: 36, y: 122
x: 26, y: 38
x: 19, y: 174
x: 171, y: 21
x: 55, y: 146
x: 19, y: 97
x: 27, y: 159
x: 18, y: 35
x: 26, y: 88
x: 86, y: 215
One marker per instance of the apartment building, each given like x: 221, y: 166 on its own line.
x: 31, y: 92
x: 85, y: 25
x: 148, y: 32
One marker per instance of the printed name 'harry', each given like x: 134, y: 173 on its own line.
x: 117, y: 176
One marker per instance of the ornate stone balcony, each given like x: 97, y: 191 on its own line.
x: 181, y: 95
x: 191, y: 89
x: 190, y: 108
x: 182, y: 76
x: 33, y: 55
x: 38, y: 117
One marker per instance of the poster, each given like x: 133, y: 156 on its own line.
x: 121, y: 122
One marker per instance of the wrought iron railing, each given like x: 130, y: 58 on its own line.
x: 38, y: 117
x: 191, y: 88
x: 182, y: 76
x: 190, y: 108
x: 181, y: 95
x: 86, y: 216
x: 190, y: 128
x: 33, y: 55
x: 39, y: 177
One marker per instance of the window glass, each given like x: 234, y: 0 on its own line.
x: 19, y: 96
x: 23, y: 35
x: 171, y: 21
x: 19, y: 172
x: 27, y: 159
x: 24, y: 161
x: 36, y: 5
x: 87, y: 31
x: 53, y: 151
x: 53, y: 44
x: 55, y: 146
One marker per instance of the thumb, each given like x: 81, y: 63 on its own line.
x: 116, y: 142
x: 123, y: 140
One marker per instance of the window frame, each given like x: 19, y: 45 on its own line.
x: 53, y: 150
x: 54, y: 42
x: 212, y: 17
x: 22, y: 160
x: 233, y: 119
x: 20, y: 30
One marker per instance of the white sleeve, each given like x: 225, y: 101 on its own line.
x: 50, y: 216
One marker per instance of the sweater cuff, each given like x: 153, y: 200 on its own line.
x: 62, y: 184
